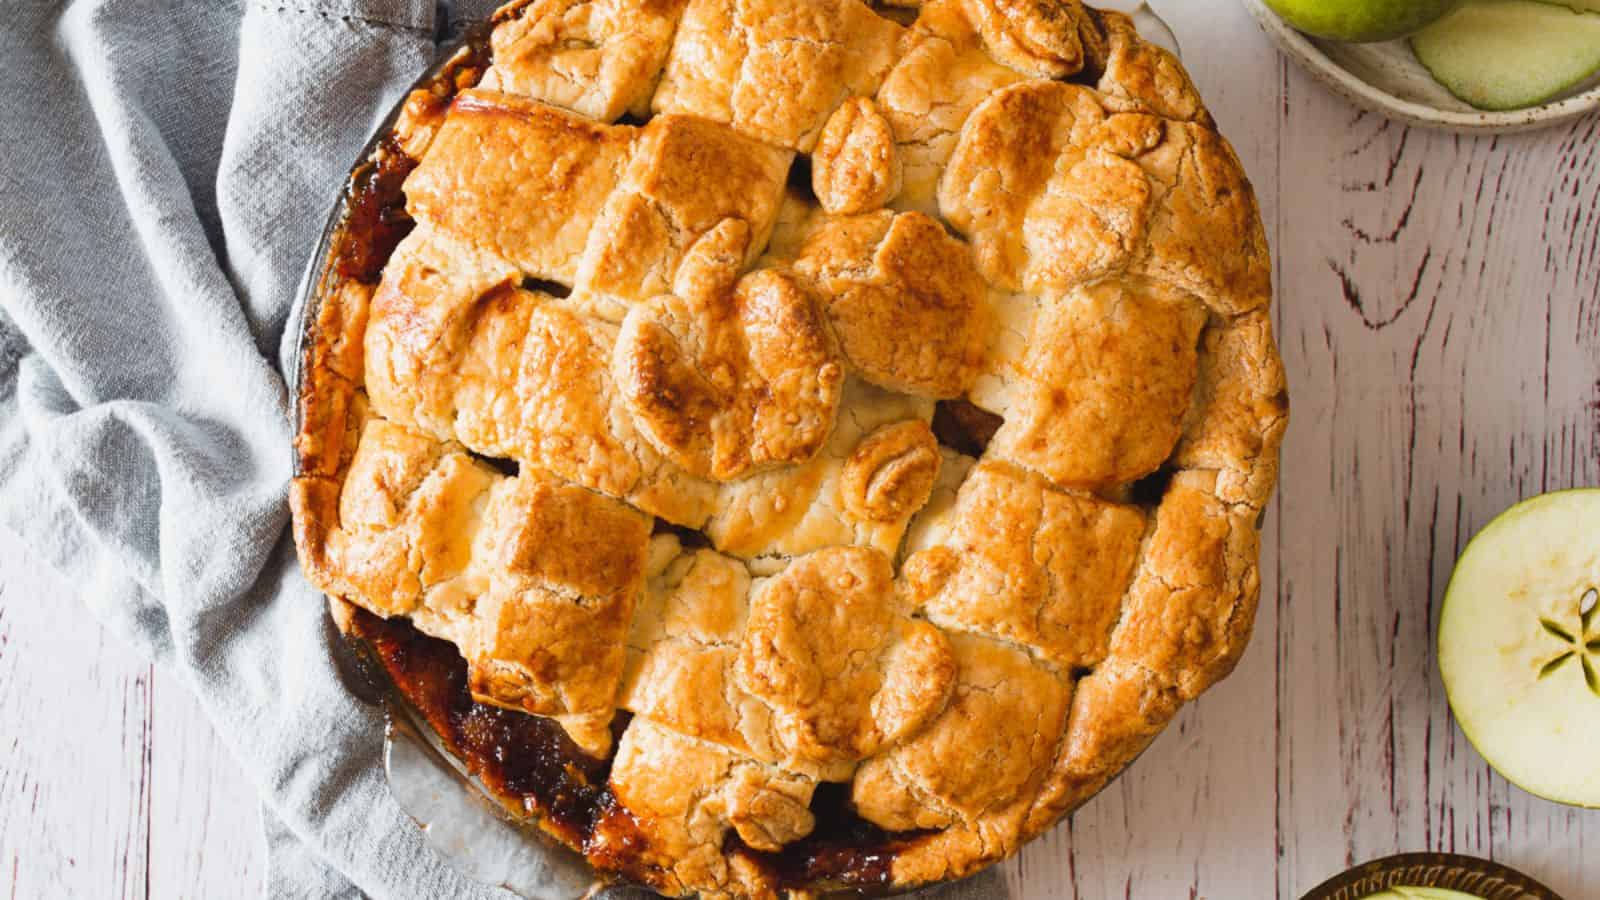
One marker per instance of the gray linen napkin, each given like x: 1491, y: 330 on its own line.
x: 166, y: 172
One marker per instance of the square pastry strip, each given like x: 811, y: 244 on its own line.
x: 599, y: 58
x: 775, y: 69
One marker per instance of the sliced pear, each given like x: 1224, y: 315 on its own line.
x: 1511, y: 54
x: 1519, y: 645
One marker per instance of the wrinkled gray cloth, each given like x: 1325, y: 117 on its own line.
x: 166, y: 172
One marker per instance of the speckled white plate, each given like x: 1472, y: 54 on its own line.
x: 1388, y: 79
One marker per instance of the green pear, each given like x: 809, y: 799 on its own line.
x: 1363, y: 20
x: 1512, y: 54
x: 1519, y: 645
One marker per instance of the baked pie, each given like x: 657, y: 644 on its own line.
x: 793, y: 445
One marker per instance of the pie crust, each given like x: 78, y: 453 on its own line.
x: 792, y: 445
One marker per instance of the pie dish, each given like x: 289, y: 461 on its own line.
x: 782, y: 446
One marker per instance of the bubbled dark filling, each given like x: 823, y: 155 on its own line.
x: 530, y: 765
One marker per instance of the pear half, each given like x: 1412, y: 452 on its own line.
x: 1519, y: 645
x: 1512, y: 54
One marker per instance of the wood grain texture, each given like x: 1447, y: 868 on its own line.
x: 112, y: 783
x: 1439, y: 314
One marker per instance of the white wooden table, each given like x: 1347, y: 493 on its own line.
x: 1439, y: 313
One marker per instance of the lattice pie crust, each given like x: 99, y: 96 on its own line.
x: 705, y: 272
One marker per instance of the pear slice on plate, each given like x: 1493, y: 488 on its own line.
x: 1512, y: 54
x: 1519, y: 645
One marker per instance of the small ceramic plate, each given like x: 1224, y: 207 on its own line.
x: 1466, y: 874
x: 1387, y: 78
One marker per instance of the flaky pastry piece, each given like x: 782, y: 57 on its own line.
x: 855, y: 167
x: 1017, y: 559
x: 775, y: 69
x: 684, y: 819
x: 845, y: 672
x: 732, y: 379
x: 1240, y: 410
x: 598, y: 58
x: 1141, y: 77
x: 813, y: 669
x: 1041, y: 38
x: 664, y: 210
x: 1187, y: 620
x: 1087, y: 359
x: 518, y: 180
x: 883, y: 277
x: 1054, y: 191
x: 974, y: 771
x: 873, y: 474
x: 943, y: 73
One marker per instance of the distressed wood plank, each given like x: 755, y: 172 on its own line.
x: 205, y: 820
x: 111, y: 781
x: 1439, y: 311
x: 75, y: 773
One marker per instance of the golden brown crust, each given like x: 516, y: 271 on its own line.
x: 849, y: 494
x: 456, y: 351
x: 567, y: 566
x: 1240, y: 410
x: 1019, y: 560
x: 732, y: 382
x: 854, y: 167
x: 884, y: 277
x: 974, y: 770
x: 775, y: 69
x: 683, y: 820
x: 844, y: 674
x: 811, y: 669
x: 1092, y: 356
x: 974, y: 646
x: 1042, y: 38
x: 664, y: 208
x: 891, y: 472
x: 1190, y: 609
x: 941, y: 77
x: 1055, y: 191
x: 598, y: 58
x: 496, y: 164
x: 1142, y: 77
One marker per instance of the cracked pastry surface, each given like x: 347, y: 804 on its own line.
x: 732, y: 380
x: 664, y: 207
x: 1020, y: 560
x: 855, y: 167
x: 518, y: 179
x: 843, y: 431
x: 775, y: 69
x: 883, y: 277
x: 598, y: 58
x: 1089, y: 357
